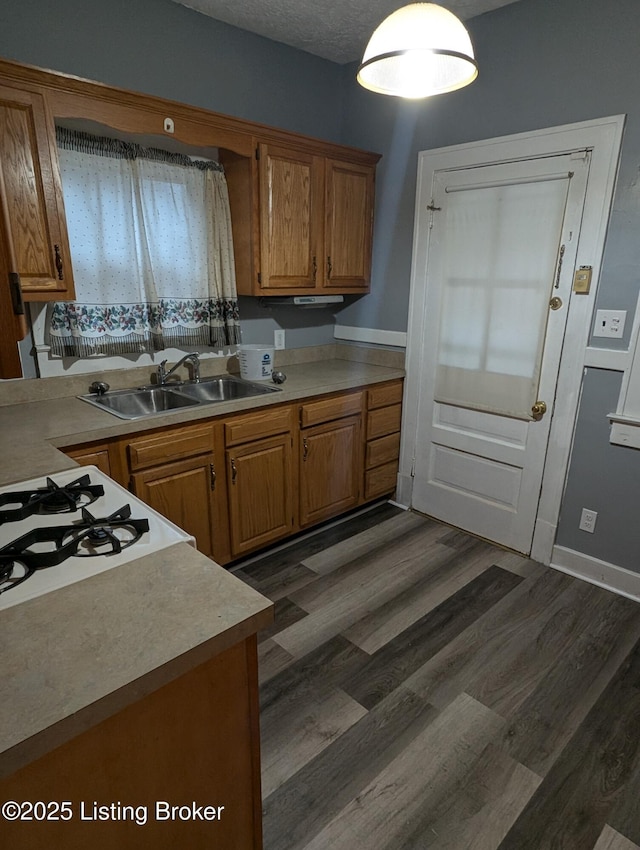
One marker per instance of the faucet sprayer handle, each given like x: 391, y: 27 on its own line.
x: 99, y: 387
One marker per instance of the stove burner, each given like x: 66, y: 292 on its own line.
x: 98, y: 536
x: 53, y: 498
x: 118, y: 531
x: 50, y: 546
x: 12, y: 573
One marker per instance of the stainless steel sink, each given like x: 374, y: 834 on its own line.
x: 152, y: 401
x: 134, y: 404
x: 222, y: 388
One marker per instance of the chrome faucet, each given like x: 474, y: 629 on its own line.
x: 163, y: 375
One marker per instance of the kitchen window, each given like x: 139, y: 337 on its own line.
x: 152, y: 249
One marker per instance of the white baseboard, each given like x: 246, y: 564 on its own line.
x: 618, y: 579
x: 398, y: 505
x: 372, y: 335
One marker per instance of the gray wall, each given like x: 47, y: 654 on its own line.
x: 161, y: 48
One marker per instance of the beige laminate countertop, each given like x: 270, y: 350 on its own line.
x: 82, y: 653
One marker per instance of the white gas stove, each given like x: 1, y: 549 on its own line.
x: 71, y: 525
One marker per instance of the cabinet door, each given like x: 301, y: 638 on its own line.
x: 182, y: 492
x: 330, y: 469
x: 348, y: 225
x: 32, y: 197
x: 259, y: 482
x: 290, y: 219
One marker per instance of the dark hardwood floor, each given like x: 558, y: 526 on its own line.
x: 421, y: 688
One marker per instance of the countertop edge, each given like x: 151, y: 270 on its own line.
x: 70, y: 727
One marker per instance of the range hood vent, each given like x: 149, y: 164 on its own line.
x: 302, y: 300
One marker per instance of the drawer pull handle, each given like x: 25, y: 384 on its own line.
x: 329, y: 268
x: 212, y: 476
x: 234, y: 471
x: 305, y: 446
x: 315, y: 268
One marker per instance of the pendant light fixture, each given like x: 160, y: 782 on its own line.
x: 418, y: 51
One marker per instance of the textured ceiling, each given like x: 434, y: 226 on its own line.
x: 334, y: 29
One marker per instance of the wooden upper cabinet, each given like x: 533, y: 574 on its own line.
x: 291, y: 207
x: 32, y: 197
x: 349, y: 225
x: 315, y: 218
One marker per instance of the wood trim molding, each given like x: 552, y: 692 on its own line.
x: 75, y: 96
x: 377, y: 336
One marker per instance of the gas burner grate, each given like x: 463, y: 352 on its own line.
x: 51, y: 499
x: 49, y: 546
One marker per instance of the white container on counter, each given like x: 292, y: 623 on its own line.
x: 256, y: 362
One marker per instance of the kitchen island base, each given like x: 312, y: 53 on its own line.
x: 178, y: 768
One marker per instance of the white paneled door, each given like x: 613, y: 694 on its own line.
x: 502, y: 251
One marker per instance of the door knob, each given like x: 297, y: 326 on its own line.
x: 538, y: 410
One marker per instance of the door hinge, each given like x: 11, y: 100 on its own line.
x: 16, y: 293
x: 432, y: 208
x: 559, y: 270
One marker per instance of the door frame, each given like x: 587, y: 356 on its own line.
x: 603, y: 137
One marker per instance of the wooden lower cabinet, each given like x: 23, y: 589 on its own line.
x: 193, y: 741
x: 181, y: 492
x: 174, y: 472
x: 330, y: 469
x: 93, y: 457
x: 259, y: 484
x: 243, y: 482
x: 382, y: 451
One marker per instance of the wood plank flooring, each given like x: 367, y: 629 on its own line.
x: 421, y: 689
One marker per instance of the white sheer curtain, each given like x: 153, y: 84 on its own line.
x: 495, y: 303
x: 152, y: 250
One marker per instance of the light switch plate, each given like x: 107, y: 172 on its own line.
x: 610, y: 323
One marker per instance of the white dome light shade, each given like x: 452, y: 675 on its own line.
x: 418, y: 51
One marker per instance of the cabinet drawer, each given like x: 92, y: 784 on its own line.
x: 382, y: 450
x: 327, y: 409
x: 381, y: 480
x: 96, y: 457
x: 254, y: 426
x: 385, y: 420
x: 384, y: 394
x: 170, y: 445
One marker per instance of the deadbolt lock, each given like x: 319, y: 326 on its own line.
x: 538, y: 410
x: 555, y: 303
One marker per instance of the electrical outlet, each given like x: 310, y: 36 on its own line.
x: 278, y: 340
x: 588, y: 520
x: 610, y: 323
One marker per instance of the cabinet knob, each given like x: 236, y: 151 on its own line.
x: 329, y: 268
x: 315, y: 268
x: 234, y: 471
x: 305, y: 446
x: 212, y: 476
